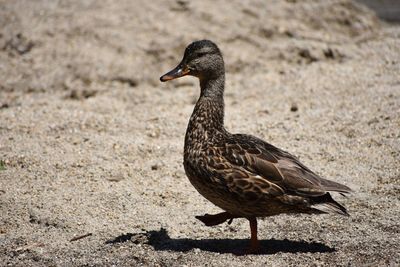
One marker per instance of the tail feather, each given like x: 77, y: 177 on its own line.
x: 329, y: 185
x: 327, y: 204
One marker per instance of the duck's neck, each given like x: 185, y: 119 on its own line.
x: 213, y: 88
x: 207, y: 119
x: 211, y: 105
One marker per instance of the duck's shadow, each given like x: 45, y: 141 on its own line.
x: 161, y: 241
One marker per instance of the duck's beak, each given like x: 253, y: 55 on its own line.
x: 178, y: 72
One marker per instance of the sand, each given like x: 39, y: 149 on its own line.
x: 91, y: 142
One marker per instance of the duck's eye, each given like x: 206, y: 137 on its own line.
x: 200, y: 54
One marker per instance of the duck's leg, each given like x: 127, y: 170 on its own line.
x: 215, y: 219
x: 254, y: 243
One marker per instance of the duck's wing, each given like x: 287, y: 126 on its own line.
x: 284, y: 174
x: 277, y: 166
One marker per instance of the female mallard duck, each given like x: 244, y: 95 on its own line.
x: 242, y: 174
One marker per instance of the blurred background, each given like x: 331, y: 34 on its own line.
x: 65, y: 45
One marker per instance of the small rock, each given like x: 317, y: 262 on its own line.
x: 294, y: 107
x: 19, y: 44
x: 4, y: 105
x: 81, y: 94
x: 117, y: 177
x: 329, y: 53
x: 306, y: 54
x: 196, y: 250
x: 181, y: 5
x: 154, y: 133
x: 372, y: 121
x: 266, y: 32
x: 130, y: 81
x: 264, y: 111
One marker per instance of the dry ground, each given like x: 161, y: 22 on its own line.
x: 91, y: 142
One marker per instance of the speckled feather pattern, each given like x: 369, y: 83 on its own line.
x: 242, y: 174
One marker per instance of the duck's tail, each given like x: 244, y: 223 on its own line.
x: 326, y: 204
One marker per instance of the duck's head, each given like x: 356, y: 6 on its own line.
x: 202, y: 59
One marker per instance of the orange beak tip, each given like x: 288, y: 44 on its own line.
x: 175, y: 73
x: 165, y: 78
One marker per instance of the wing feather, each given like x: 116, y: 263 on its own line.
x: 277, y: 167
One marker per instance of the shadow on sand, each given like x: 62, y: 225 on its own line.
x: 160, y: 240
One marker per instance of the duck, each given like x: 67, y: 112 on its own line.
x: 241, y: 174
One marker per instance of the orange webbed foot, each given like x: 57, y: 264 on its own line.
x: 215, y: 219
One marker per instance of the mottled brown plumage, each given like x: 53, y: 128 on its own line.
x: 242, y: 174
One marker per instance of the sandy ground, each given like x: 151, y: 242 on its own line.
x: 91, y: 141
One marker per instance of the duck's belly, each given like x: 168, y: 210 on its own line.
x: 231, y: 202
